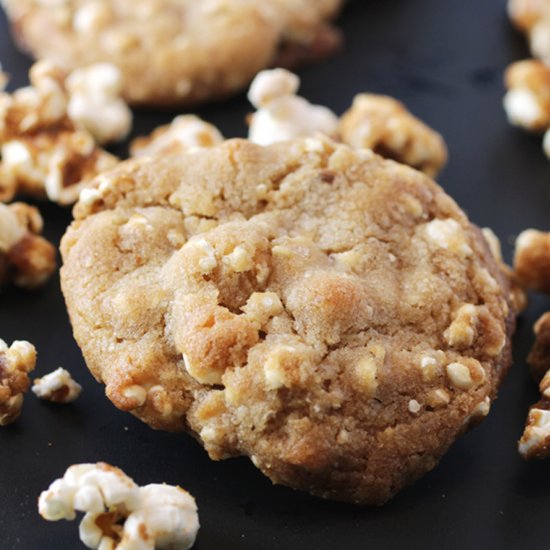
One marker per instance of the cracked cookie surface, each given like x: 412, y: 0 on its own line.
x: 330, y: 314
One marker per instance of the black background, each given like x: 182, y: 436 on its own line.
x: 445, y: 59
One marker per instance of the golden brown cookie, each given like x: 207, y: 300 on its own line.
x: 328, y: 313
x: 176, y: 52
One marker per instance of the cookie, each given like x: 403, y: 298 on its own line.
x: 531, y: 264
x: 527, y: 100
x: 328, y: 313
x: 176, y: 52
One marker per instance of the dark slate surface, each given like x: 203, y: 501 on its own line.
x: 445, y: 59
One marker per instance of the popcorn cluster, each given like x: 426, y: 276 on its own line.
x: 373, y: 122
x: 26, y: 259
x: 532, y: 269
x: 527, y: 101
x: 50, y: 131
x: 57, y: 386
x: 16, y: 362
x: 118, y: 514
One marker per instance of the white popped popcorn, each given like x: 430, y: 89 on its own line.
x: 120, y: 515
x: 527, y: 102
x: 57, y: 386
x: 281, y: 114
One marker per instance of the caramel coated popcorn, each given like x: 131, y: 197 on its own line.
x: 527, y: 102
x: 535, y: 441
x: 16, y: 362
x: 374, y: 122
x: 384, y: 125
x: 26, y: 258
x: 57, y: 386
x: 532, y: 268
x: 45, y: 152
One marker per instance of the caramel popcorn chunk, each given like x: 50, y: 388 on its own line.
x: 527, y: 101
x: 16, y: 362
x: 57, y: 386
x: 43, y: 151
x: 532, y: 17
x: 532, y: 260
x: 384, y: 125
x: 328, y: 313
x: 282, y: 115
x: 378, y: 123
x: 26, y: 258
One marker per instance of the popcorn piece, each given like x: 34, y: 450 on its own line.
x: 4, y: 79
x: 535, y: 441
x: 183, y: 134
x: 57, y: 386
x: 532, y: 260
x: 532, y: 17
x: 119, y: 515
x: 527, y: 102
x: 15, y: 364
x: 384, y: 125
x: 42, y: 151
x: 95, y: 102
x: 539, y: 358
x: 524, y: 14
x: 26, y: 258
x: 281, y: 114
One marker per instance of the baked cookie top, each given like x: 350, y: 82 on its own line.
x: 331, y: 314
x: 170, y: 52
